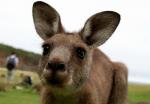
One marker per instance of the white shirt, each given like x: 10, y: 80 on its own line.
x: 14, y: 57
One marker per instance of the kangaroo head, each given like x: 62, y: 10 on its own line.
x: 67, y: 57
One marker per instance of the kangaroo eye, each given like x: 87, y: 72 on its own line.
x: 80, y: 52
x: 46, y: 49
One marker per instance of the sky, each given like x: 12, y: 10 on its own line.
x: 129, y: 43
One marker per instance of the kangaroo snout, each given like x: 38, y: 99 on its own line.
x: 56, y: 73
x: 56, y: 66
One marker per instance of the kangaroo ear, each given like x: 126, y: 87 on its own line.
x: 46, y: 20
x: 99, y: 27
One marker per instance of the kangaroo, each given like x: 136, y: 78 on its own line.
x: 72, y: 69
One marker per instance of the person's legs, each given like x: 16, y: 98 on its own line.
x: 10, y: 68
x: 9, y: 75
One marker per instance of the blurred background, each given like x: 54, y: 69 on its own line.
x: 129, y: 43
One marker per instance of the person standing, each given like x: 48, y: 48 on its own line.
x: 12, y: 62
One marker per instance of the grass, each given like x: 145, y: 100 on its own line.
x: 17, y: 75
x: 137, y: 92
x: 17, y: 95
x: 14, y: 96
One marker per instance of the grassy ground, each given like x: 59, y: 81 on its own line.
x: 18, y: 95
x: 137, y: 93
x: 14, y: 96
x: 18, y: 74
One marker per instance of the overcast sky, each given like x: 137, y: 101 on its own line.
x: 130, y: 43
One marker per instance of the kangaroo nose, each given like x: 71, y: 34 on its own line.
x: 56, y: 66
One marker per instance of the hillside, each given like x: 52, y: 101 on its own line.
x: 28, y: 60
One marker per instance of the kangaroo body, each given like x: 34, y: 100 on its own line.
x: 72, y: 69
x: 107, y: 81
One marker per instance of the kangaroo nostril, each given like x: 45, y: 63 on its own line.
x: 61, y: 67
x: 50, y: 65
x: 56, y: 66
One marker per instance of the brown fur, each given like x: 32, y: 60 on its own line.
x: 85, y: 78
x: 107, y: 84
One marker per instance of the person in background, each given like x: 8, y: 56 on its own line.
x: 11, y: 63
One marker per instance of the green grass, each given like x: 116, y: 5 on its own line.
x: 25, y: 96
x: 137, y: 92
x: 19, y: 96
